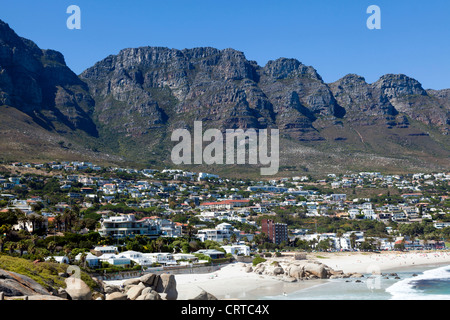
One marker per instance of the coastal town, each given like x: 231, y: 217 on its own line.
x: 148, y: 225
x: 147, y: 218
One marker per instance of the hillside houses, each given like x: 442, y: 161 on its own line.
x: 223, y: 206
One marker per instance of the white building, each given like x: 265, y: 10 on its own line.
x: 59, y: 259
x: 237, y: 249
x: 203, y: 175
x: 353, y: 213
x: 127, y: 225
x: 369, y: 214
x: 219, y: 234
x: 106, y: 249
x: 115, y: 260
x: 91, y: 260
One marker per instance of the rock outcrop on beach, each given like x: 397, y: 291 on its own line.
x: 292, y: 271
x: 197, y: 293
x: 148, y: 287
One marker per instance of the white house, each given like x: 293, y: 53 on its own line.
x: 91, y: 260
x: 164, y: 258
x: 106, y: 249
x: 369, y: 214
x: 116, y: 260
x: 184, y: 256
x: 237, y: 249
x: 342, y: 243
x: 59, y: 259
x: 353, y: 213
x: 140, y: 258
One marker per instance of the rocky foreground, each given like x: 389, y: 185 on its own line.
x: 155, y: 287
x: 14, y: 286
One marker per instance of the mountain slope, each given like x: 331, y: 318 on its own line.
x: 45, y: 109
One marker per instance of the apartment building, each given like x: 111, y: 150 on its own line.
x: 277, y: 232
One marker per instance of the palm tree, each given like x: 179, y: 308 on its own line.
x: 159, y: 243
x: 339, y: 235
x: 34, y: 238
x: 58, y: 222
x: 36, y: 220
x: 31, y: 247
x: 51, y: 246
x: 22, y: 245
x: 69, y: 217
x: 390, y: 239
x: 233, y: 238
x: 190, y: 231
x: 83, y: 259
x: 10, y: 246
x: 2, y: 243
x: 21, y: 218
x: 353, y: 240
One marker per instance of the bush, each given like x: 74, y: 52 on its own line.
x: 258, y: 260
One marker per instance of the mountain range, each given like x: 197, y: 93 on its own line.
x: 123, y: 109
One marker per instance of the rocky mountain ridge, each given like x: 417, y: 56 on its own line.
x: 128, y: 104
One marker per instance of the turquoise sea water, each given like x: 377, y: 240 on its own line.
x: 416, y: 283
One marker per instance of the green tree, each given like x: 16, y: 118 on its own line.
x: 51, y: 246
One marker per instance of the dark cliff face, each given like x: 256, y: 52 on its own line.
x: 143, y: 88
x: 392, y: 95
x: 39, y: 83
x: 202, y: 82
x: 221, y: 87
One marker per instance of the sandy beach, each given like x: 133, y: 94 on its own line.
x: 233, y: 282
x: 368, y: 262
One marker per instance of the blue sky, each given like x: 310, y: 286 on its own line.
x: 330, y: 35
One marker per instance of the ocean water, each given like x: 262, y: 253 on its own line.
x: 432, y: 284
x: 417, y: 283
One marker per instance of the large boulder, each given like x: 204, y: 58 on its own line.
x: 135, y: 291
x: 296, y: 271
x: 149, y: 279
x: 15, y: 284
x: 77, y: 289
x: 116, y: 296
x: 149, y: 294
x: 278, y: 271
x: 197, y: 293
x: 316, y: 269
x: 131, y: 282
x: 168, y: 285
x: 260, y: 268
x: 110, y: 288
